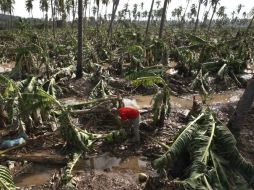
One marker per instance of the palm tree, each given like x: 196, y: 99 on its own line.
x: 158, y: 3
x: 238, y: 10
x: 177, y: 12
x: 251, y: 21
x: 221, y: 15
x: 142, y: 5
x: 144, y: 14
x: 126, y: 10
x: 163, y: 17
x: 29, y: 7
x: 197, y: 18
x: 214, y: 4
x: 105, y: 2
x: 9, y: 7
x: 221, y: 12
x: 114, y: 9
x: 53, y: 17
x: 68, y: 8
x: 185, y: 10
x: 61, y: 9
x: 94, y: 11
x: 71, y: 4
x: 97, y: 15
x: 79, y: 72
x: 149, y: 19
x: 134, y: 11
x: 244, y: 15
x: 44, y: 6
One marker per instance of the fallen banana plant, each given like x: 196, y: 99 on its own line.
x: 75, y: 136
x: 67, y: 179
x: 81, y: 139
x: 215, y: 160
x: 6, y: 181
x: 161, y: 100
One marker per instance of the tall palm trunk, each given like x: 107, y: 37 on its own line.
x: 185, y: 10
x: 163, y: 17
x: 205, y: 18
x: 11, y: 18
x: 250, y: 24
x: 73, y: 12
x: 84, y: 22
x: 197, y: 20
x: 79, y: 72
x: 183, y: 17
x: 214, y: 11
x: 53, y: 18
x: 98, y: 18
x: 149, y: 19
x: 115, y: 5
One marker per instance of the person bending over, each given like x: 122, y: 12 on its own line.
x: 131, y: 118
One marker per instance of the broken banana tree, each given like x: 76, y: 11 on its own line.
x: 6, y: 180
x: 215, y: 162
x: 161, y: 100
x: 68, y: 181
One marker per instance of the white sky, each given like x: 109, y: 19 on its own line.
x: 19, y: 8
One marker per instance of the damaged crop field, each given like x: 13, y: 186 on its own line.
x: 130, y: 100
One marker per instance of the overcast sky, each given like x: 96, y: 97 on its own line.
x: 229, y: 4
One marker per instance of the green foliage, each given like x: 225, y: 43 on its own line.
x: 67, y: 179
x: 6, y: 181
x: 22, y: 99
x: 100, y: 90
x: 150, y: 77
x: 161, y: 106
x: 78, y: 138
x: 215, y: 161
x: 136, y: 50
x: 148, y: 81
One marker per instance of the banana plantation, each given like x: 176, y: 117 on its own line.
x: 117, y: 94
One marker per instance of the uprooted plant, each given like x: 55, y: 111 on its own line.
x: 24, y: 98
x: 6, y: 181
x: 151, y: 77
x: 215, y: 162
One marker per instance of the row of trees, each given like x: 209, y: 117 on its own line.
x: 63, y: 9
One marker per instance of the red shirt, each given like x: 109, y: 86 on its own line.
x: 128, y: 113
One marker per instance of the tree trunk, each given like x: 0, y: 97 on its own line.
x: 73, y: 12
x: 183, y: 17
x: 250, y: 24
x: 243, y: 106
x: 149, y: 19
x: 163, y: 18
x: 115, y: 5
x: 98, y: 19
x: 79, y: 72
x: 210, y: 22
x: 53, y: 19
x: 197, y: 20
x: 84, y: 22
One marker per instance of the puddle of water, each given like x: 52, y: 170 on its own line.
x: 6, y: 67
x: 106, y: 161
x: 133, y: 163
x: 102, y: 162
x: 143, y: 101
x: 35, y: 175
x: 177, y: 102
x: 186, y: 101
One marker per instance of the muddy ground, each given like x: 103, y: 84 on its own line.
x: 115, y: 166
